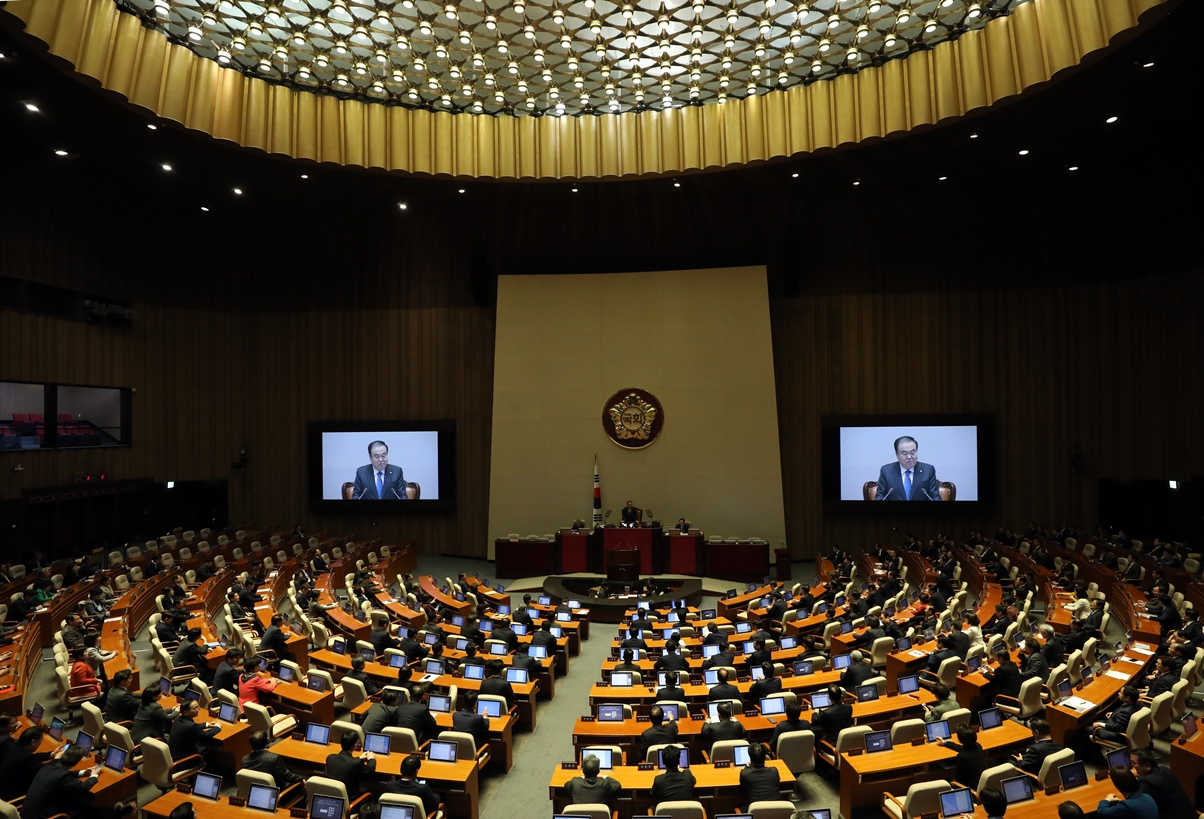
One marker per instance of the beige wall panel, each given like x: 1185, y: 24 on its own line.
x: 565, y: 343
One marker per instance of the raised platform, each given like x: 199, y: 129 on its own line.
x: 595, y: 589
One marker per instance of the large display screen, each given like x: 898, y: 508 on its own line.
x: 372, y: 467
x: 896, y: 461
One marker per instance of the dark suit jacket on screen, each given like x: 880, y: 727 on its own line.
x: 923, y: 477
x: 365, y: 479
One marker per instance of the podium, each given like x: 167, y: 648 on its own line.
x: 622, y: 565
x: 648, y: 543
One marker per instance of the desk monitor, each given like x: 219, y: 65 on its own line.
x: 1088, y: 676
x: 787, y: 596
x: 227, y: 712
x: 545, y: 600
x: 749, y: 646
x: 937, y: 730
x: 84, y: 740
x: 460, y: 598
x: 430, y: 638
x: 556, y: 632
x: 1104, y: 664
x: 867, y: 693
x: 757, y: 672
x: 974, y: 663
x: 822, y: 608
x: 876, y: 741
x: 165, y: 683
x: 317, y: 733
x: 458, y: 620
x: 620, y: 679
x: 846, y: 627
x: 956, y: 803
x: 498, y: 649
x: 369, y: 654
x: 490, y: 708
x: 517, y: 675
x: 519, y: 628
x: 397, y: 660
x: 439, y: 703
x: 472, y: 671
x: 662, y: 679
x: 708, y: 614
x: 821, y: 700
x: 499, y: 588
x: 441, y: 751
x: 1073, y: 774
x: 261, y: 797
x: 605, y: 757
x: 773, y: 705
x: 315, y: 683
x: 361, y: 616
x: 741, y: 755
x: 804, y: 667
x: 388, y: 811
x: 710, y: 676
x: 377, y: 743
x: 731, y: 593
x: 286, y: 674
x: 433, y: 667
x: 56, y: 729
x: 673, y: 617
x: 709, y: 651
x: 485, y: 626
x: 538, y: 652
x: 1035, y: 628
x: 573, y: 604
x: 743, y: 628
x: 460, y: 643
x: 929, y: 635
x: 35, y: 716
x: 838, y: 601
x: 841, y: 661
x: 445, y: 588
x: 683, y: 761
x: 610, y: 713
x: 207, y: 786
x: 787, y: 642
x: 903, y: 643
x: 909, y: 684
x: 819, y: 813
x: 564, y: 616
x: 339, y: 647
x: 670, y: 709
x: 1118, y: 758
x: 752, y: 587
x: 888, y: 612
x: 1064, y: 689
x: 115, y: 759
x: 713, y: 711
x: 990, y: 718
x: 1190, y: 727
x: 1017, y: 789
x: 327, y: 807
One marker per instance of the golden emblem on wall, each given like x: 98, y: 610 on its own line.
x: 633, y: 418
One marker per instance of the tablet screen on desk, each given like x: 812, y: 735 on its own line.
x: 538, y: 652
x: 741, y: 755
x: 841, y: 661
x: 937, y: 730
x: 339, y: 647
x: 1073, y: 774
x: 909, y: 684
x: 460, y: 644
x: 545, y: 600
x: 516, y: 675
x: 519, y: 629
x: 743, y: 628
x: 439, y: 704
x: 431, y: 638
x: 442, y: 751
x: 84, y: 740
x: 731, y: 593
x: 973, y: 664
x: 1017, y: 789
x: 838, y: 601
x: 56, y: 729
x: 434, y: 667
x: 556, y: 632
x: 709, y: 651
x: 957, y: 803
x: 605, y: 762
x: 804, y: 667
x: 35, y: 716
x: 458, y: 620
x: 889, y: 611
x: 261, y: 797
x: 749, y: 646
x: 818, y: 813
x: 369, y: 654
x: 620, y: 679
x: 711, y: 676
x: 498, y: 649
x: 846, y: 627
x: 227, y: 712
x: 489, y: 708
x: 207, y: 786
x: 876, y: 741
x: 990, y: 718
x: 610, y: 713
x: 165, y: 683
x: 564, y: 616
x: 115, y: 759
x: 821, y: 700
x: 1118, y: 758
x: 821, y: 608
x: 670, y: 710
x: 474, y: 672
x: 757, y: 672
x: 286, y: 674
x: 1088, y: 676
x: 396, y: 811
x: 315, y: 683
x: 1190, y: 727
x: 327, y: 807
x: 789, y: 642
x: 708, y: 614
x: 397, y: 660
x: 377, y: 743
x: 317, y: 733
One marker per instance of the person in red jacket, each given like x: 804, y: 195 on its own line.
x: 83, y: 678
x: 251, y: 683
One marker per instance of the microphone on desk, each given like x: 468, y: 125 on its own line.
x: 363, y: 492
x: 887, y: 495
x: 925, y: 491
x: 393, y: 489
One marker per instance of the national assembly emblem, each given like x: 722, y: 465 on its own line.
x: 633, y: 418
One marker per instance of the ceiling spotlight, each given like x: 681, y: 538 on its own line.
x: 204, y: 208
x: 461, y: 190
x: 1148, y: 65
x: 29, y: 106
x: 574, y: 189
x: 973, y: 136
x: 942, y: 178
x: 794, y: 176
x: 1073, y: 168
x: 1024, y: 152
x: 858, y: 182
x: 677, y: 184
x: 60, y: 152
x: 153, y: 127
x: 238, y: 191
x: 305, y: 176
x: 165, y: 167
x: 1111, y: 120
x: 974, y: 11
x: 401, y: 205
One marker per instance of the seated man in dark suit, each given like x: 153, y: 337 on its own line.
x: 660, y: 732
x: 57, y: 789
x: 764, y: 687
x: 724, y: 659
x: 589, y: 788
x: 759, y: 784
x: 468, y: 721
x: 187, y: 735
x: 262, y: 760
x: 408, y: 784
x: 503, y: 632
x: 672, y: 692
x: 1117, y: 722
x: 829, y: 722
x: 345, y: 767
x: 793, y: 722
x: 673, y: 785
x: 415, y: 714
x: 671, y: 659
x: 628, y: 661
x: 872, y: 632
x: 121, y: 705
x: 1162, y: 784
x: 761, y: 654
x: 858, y: 672
x: 1043, y: 746
x: 544, y: 636
x: 634, y: 640
x: 723, y: 728
x: 383, y: 714
x: 723, y: 690
x: 495, y: 682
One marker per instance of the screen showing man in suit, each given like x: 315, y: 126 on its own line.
x: 402, y: 465
x: 912, y: 473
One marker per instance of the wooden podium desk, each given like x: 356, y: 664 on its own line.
x: 456, y: 782
x: 721, y: 785
x: 865, y: 777
x: 526, y: 558
x: 649, y: 542
x: 1187, y: 761
x: 684, y: 551
x: 1065, y: 723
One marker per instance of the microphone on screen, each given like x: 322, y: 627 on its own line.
x: 887, y: 495
x: 393, y: 489
x: 925, y: 491
x: 363, y: 492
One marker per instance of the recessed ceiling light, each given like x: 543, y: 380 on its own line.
x: 1148, y: 65
x: 794, y: 176
x: 238, y: 191
x: 1024, y: 152
x: 1073, y: 168
x: 305, y: 176
x: 461, y: 190
x: 677, y: 184
x: 401, y: 205
x: 152, y: 127
x: 61, y: 152
x: 942, y: 178
x: 1111, y: 120
x: 29, y: 106
x: 973, y: 136
x: 574, y: 189
x: 858, y: 182
x: 165, y: 167
x: 204, y: 208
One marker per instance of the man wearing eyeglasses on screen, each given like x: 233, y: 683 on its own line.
x: 379, y: 480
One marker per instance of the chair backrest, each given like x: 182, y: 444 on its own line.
x: 924, y: 797
x: 850, y: 738
x: 1160, y: 711
x: 904, y: 731
x: 592, y: 810
x: 245, y: 778
x: 993, y: 777
x: 354, y: 693
x: 94, y: 722
x: 1181, y: 690
x: 156, y: 763
x: 725, y: 749
x: 466, y: 746
x: 1049, y: 768
x: 1139, y: 729
x: 797, y: 750
x: 947, y: 673
x: 1030, y: 697
x: 681, y: 810
x: 401, y: 740
x: 880, y: 651
x: 340, y: 727
x: 7, y: 811
x: 258, y: 716
x: 325, y: 786
x: 771, y: 810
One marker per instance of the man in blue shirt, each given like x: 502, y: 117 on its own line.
x: 1132, y: 803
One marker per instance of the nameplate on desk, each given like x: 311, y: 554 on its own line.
x: 183, y: 787
x: 644, y: 766
x: 719, y: 765
x: 113, y: 619
x: 237, y: 802
x: 588, y: 719
x: 643, y: 719
x: 698, y: 717
x: 603, y: 684
x: 297, y: 813
x: 752, y: 713
x: 568, y: 766
x: 856, y: 751
x: 743, y: 679
x: 918, y: 741
x: 1050, y: 790
x: 892, y: 693
x: 1100, y: 776
x: 929, y: 816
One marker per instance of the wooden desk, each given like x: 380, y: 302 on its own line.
x: 896, y: 770
x: 306, y: 705
x: 728, y: 606
x: 445, y: 601
x: 230, y: 745
x: 162, y: 807
x: 721, y: 785
x: 1187, y: 761
x: 1086, y: 797
x: 110, y: 788
x: 1065, y: 724
x: 456, y: 782
x: 645, y: 695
